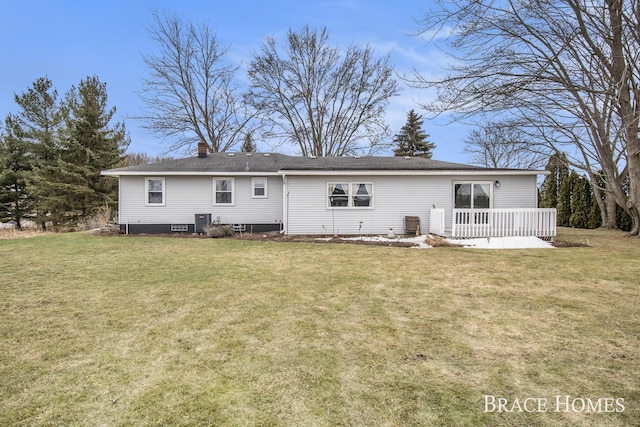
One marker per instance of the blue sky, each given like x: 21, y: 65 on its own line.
x: 69, y: 40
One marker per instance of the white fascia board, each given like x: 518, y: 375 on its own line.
x: 333, y: 173
x: 412, y: 172
x: 177, y: 173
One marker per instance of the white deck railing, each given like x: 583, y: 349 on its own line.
x: 467, y: 223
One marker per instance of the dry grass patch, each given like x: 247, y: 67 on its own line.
x: 7, y: 233
x: 149, y: 331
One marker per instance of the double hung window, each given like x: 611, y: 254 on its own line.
x: 223, y: 191
x: 350, y: 195
x: 338, y: 195
x: 154, y: 191
x: 259, y: 188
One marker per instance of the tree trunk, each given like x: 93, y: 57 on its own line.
x: 626, y: 109
x: 635, y: 220
x: 633, y: 203
x: 611, y: 208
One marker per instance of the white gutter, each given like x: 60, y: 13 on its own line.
x: 413, y: 172
x: 190, y: 173
x: 395, y: 172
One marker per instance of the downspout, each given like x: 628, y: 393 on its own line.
x: 285, y: 207
x: 119, y: 198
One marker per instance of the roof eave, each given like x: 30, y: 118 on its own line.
x: 115, y: 172
x: 397, y: 172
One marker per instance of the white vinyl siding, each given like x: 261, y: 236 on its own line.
x: 395, y: 198
x: 306, y: 201
x: 186, y: 196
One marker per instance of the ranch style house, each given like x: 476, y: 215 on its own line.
x: 262, y: 192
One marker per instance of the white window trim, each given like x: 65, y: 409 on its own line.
x: 146, y: 191
x: 351, y: 188
x: 328, y: 194
x: 233, y: 190
x: 352, y: 194
x: 256, y: 179
x: 490, y: 183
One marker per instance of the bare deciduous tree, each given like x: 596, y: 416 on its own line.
x: 504, y: 145
x: 327, y: 102
x: 569, y: 69
x: 190, y: 93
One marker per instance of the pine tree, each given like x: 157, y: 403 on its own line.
x: 580, y: 203
x: 38, y: 123
x: 564, y: 199
x: 623, y: 219
x: 412, y: 140
x: 595, y: 216
x: 16, y: 202
x: 248, y: 146
x: 73, y: 186
x: 558, y: 169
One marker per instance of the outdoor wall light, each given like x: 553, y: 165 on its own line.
x: 497, y: 184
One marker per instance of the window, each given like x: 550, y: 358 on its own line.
x: 338, y: 195
x: 362, y: 195
x: 350, y: 195
x: 259, y: 188
x: 222, y: 191
x: 154, y: 189
x: 472, y: 195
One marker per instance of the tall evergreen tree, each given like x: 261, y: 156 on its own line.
x: 73, y: 186
x: 623, y: 219
x: 16, y: 201
x: 557, y: 166
x: 412, y: 140
x: 580, y: 203
x: 564, y: 199
x: 595, y: 216
x: 38, y: 122
x: 248, y: 146
x: 595, y: 213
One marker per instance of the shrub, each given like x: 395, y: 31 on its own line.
x: 101, y: 217
x: 217, y: 230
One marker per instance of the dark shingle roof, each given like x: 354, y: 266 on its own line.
x: 373, y: 163
x: 274, y: 162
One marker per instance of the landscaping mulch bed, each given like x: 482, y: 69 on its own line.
x: 434, y: 241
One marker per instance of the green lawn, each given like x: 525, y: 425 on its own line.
x: 159, y: 331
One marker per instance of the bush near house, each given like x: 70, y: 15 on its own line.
x: 218, y: 230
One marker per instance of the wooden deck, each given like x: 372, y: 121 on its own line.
x: 471, y: 223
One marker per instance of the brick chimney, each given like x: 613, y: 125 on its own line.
x: 203, y: 147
